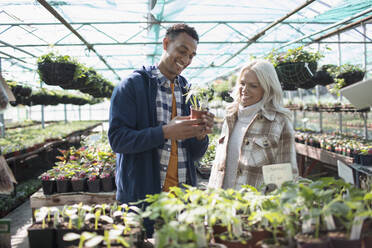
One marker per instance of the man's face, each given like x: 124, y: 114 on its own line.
x: 178, y: 54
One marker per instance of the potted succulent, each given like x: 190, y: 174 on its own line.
x: 198, y: 98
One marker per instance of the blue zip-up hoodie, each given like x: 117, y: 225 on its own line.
x: 135, y: 137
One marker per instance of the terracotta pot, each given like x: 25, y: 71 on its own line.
x: 196, y: 114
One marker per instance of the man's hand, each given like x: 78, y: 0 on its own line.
x: 207, y: 120
x: 181, y: 127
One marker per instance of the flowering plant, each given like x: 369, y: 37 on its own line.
x: 92, y: 177
x: 104, y: 175
x: 46, y: 177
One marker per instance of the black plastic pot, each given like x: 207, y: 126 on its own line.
x: 49, y: 187
x: 38, y: 238
x: 63, y: 186
x: 59, y: 238
x: 79, y: 185
x: 107, y: 184
x: 94, y: 186
x: 295, y: 73
x: 323, y: 78
x: 366, y: 159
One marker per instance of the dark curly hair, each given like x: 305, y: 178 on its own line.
x: 176, y: 29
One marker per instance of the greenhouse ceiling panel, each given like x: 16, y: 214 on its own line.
x: 128, y: 33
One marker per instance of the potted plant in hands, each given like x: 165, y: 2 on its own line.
x: 198, y: 98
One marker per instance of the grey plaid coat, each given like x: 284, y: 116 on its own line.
x: 269, y: 139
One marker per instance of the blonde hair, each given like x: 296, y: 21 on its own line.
x: 273, y: 94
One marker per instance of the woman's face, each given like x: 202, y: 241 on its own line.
x: 250, y: 89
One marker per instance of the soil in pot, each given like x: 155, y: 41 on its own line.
x: 216, y: 245
x: 306, y: 241
x: 94, y: 186
x: 244, y: 243
x: 38, y: 237
x: 63, y: 186
x: 107, y: 184
x: 340, y: 240
x: 49, y: 187
x: 79, y: 185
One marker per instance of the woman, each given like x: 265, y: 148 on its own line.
x: 257, y: 130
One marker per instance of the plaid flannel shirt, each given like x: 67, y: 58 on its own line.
x: 269, y: 139
x: 164, y: 114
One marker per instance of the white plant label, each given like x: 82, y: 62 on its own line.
x: 277, y: 173
x: 356, y: 229
x: 330, y: 223
x: 345, y: 172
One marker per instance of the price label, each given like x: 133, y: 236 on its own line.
x: 277, y: 173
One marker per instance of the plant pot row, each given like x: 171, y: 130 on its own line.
x: 50, y: 237
x: 81, y: 185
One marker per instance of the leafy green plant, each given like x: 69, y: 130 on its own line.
x: 298, y: 54
x: 199, y: 97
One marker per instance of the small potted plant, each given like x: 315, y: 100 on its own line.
x: 48, y: 182
x: 63, y: 183
x: 78, y: 182
x: 94, y: 183
x: 107, y: 181
x: 198, y: 98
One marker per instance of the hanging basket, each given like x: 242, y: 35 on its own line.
x: 295, y: 72
x: 56, y: 73
x: 351, y: 77
x: 323, y: 78
x: 307, y: 85
x: 286, y: 86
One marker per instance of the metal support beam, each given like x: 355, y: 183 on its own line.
x: 328, y: 27
x: 62, y: 20
x: 339, y: 64
x: 2, y: 121
x: 200, y: 43
x: 162, y: 22
x: 17, y: 48
x: 343, y: 29
x: 263, y: 32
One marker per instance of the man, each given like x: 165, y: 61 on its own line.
x: 149, y: 127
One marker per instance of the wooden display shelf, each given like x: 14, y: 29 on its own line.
x: 318, y: 155
x: 38, y: 199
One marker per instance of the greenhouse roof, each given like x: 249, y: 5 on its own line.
x: 118, y: 36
